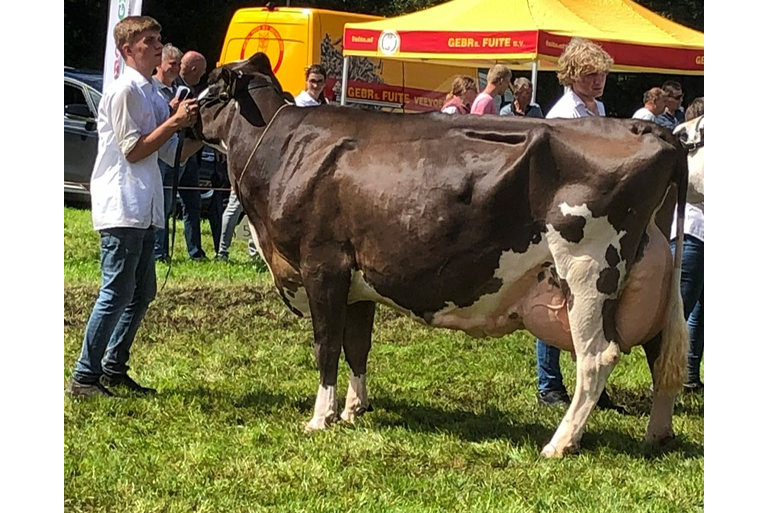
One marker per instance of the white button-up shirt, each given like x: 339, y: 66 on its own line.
x: 571, y: 106
x: 126, y: 195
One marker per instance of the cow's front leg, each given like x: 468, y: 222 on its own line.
x: 327, y: 291
x: 357, y: 343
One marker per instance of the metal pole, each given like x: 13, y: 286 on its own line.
x: 345, y: 66
x: 534, y: 81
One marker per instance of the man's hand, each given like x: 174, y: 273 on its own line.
x: 187, y: 112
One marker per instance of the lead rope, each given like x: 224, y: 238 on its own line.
x: 172, y: 214
x: 269, y: 124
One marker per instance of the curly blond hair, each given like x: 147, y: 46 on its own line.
x: 128, y: 28
x: 582, y: 57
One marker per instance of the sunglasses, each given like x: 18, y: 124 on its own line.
x: 676, y: 97
x: 316, y: 81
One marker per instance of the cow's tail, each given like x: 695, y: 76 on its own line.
x: 669, y: 370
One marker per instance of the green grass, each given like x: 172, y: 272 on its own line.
x: 455, y: 427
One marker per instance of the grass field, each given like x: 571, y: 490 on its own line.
x: 455, y: 426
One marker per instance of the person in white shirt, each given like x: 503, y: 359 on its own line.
x: 654, y: 105
x: 692, y: 282
x: 313, y: 94
x: 134, y: 129
x: 582, y: 70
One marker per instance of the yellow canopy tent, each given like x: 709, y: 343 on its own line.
x: 528, y: 33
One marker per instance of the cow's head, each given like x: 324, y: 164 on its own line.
x: 691, y: 133
x: 245, y: 90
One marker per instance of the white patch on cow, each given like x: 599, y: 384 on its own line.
x: 361, y: 290
x: 325, y: 411
x: 480, y: 316
x: 202, y: 94
x: 297, y: 299
x: 357, y: 400
x: 596, y: 229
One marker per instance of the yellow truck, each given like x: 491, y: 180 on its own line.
x: 294, y: 38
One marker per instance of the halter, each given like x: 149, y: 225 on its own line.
x: 697, y: 143
x: 228, y: 95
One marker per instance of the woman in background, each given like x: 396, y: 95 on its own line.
x: 459, y: 100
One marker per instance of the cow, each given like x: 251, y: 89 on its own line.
x: 474, y: 223
x: 691, y: 135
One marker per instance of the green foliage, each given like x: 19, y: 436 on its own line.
x: 455, y: 427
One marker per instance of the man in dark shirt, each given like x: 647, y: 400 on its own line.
x: 673, y: 115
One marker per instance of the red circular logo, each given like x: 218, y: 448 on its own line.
x: 263, y: 35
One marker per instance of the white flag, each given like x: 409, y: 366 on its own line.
x: 113, y: 62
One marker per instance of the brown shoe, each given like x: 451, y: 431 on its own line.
x: 124, y: 380
x: 78, y: 390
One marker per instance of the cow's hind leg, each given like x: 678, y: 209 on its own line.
x: 660, y: 428
x: 327, y: 291
x: 593, y: 271
x: 357, y: 343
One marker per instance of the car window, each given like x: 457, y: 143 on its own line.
x: 73, y: 95
x: 95, y: 97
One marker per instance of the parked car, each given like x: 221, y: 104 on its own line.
x: 82, y: 92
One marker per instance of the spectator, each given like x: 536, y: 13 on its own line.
x: 460, y: 98
x: 522, y: 101
x: 582, y: 70
x: 498, y: 80
x: 692, y: 281
x: 229, y: 221
x: 654, y: 105
x: 313, y: 94
x: 164, y: 78
x: 672, y: 115
x: 134, y: 129
x: 192, y: 68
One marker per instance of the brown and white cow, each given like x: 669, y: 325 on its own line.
x: 691, y: 135
x: 481, y: 224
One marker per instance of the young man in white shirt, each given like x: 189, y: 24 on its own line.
x: 127, y: 206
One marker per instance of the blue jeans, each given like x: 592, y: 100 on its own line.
x: 548, y: 368
x: 215, y: 214
x: 128, y: 287
x: 692, y: 297
x: 191, y: 208
x: 229, y: 221
x: 161, y: 235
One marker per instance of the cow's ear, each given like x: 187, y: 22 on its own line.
x: 232, y: 81
x: 260, y: 62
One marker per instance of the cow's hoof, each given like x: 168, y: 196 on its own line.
x: 354, y: 414
x: 660, y: 440
x: 549, y: 451
x: 320, y: 423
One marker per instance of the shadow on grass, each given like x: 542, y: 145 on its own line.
x: 490, y: 424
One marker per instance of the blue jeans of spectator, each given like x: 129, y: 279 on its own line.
x: 128, y: 287
x: 692, y: 297
x: 548, y: 369
x: 229, y: 221
x: 191, y: 207
x: 161, y: 235
x: 214, y: 215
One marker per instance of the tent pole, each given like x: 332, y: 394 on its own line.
x: 345, y: 65
x: 534, y: 81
